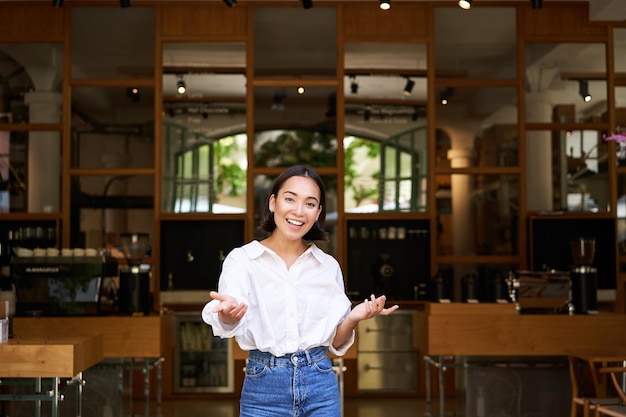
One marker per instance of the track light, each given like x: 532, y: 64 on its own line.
x: 133, y: 94
x: 583, y: 90
x: 537, y: 4
x: 354, y: 86
x: 465, y: 4
x: 57, y: 3
x: 384, y: 4
x: 181, y: 87
x: 230, y: 3
x: 408, y: 88
x: 445, y: 95
x: 307, y: 4
x: 124, y: 4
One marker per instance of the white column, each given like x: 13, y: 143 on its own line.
x: 463, y: 218
x: 44, y: 153
x: 538, y: 154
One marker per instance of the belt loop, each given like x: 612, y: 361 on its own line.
x: 308, y: 357
x: 272, y: 361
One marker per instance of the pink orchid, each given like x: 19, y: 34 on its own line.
x: 619, y: 137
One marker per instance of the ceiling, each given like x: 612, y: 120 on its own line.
x: 289, y: 40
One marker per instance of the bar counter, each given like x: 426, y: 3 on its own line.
x: 461, y: 329
x: 123, y: 336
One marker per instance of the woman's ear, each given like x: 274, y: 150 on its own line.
x: 272, y: 202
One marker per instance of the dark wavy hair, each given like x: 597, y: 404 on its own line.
x: 317, y: 231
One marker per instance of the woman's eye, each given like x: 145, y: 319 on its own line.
x: 312, y: 205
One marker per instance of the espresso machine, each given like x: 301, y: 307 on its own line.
x: 134, y: 292
x: 583, y: 276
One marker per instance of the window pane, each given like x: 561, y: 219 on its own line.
x: 105, y: 32
x: 560, y: 74
x: 477, y: 214
x: 21, y: 64
x: 480, y: 44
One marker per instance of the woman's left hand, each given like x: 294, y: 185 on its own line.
x: 371, y: 307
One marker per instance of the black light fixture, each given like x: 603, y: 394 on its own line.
x: 181, y: 87
x: 307, y: 4
x: 536, y: 4
x: 367, y: 112
x: 124, y: 4
x: 133, y: 94
x: 583, y: 90
x: 57, y: 3
x: 465, y: 4
x: 384, y: 4
x: 354, y: 86
x: 230, y: 3
x: 445, y: 95
x: 408, y: 87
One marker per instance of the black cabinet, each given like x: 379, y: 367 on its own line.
x: 192, y: 252
x: 389, y: 257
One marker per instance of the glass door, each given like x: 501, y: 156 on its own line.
x: 203, y: 362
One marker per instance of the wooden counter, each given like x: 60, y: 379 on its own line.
x: 462, y: 329
x: 123, y: 336
x: 49, y: 357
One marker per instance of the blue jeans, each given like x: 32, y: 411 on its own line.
x: 302, y: 384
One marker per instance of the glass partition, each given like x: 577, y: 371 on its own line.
x: 204, y: 127
x: 477, y: 44
x: 106, y: 32
x: 295, y: 128
x: 385, y: 143
x: 290, y: 42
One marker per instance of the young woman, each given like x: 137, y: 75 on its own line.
x: 283, y: 300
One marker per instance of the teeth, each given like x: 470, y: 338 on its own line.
x: 295, y: 222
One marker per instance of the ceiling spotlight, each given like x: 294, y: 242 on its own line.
x: 307, y: 4
x: 354, y: 86
x: 133, y: 94
x: 124, y: 4
x: 300, y: 90
x: 583, y: 90
x: 230, y: 3
x: 537, y: 4
x: 465, y: 4
x: 57, y: 3
x: 384, y: 4
x: 445, y: 95
x: 181, y: 87
x: 408, y: 88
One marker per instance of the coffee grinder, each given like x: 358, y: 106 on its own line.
x: 583, y: 276
x: 134, y: 293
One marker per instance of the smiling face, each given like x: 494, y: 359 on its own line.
x: 296, y: 207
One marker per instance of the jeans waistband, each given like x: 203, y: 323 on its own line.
x: 300, y: 358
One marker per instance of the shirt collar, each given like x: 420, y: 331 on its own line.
x: 254, y: 249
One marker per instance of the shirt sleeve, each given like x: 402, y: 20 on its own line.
x: 348, y: 306
x: 232, y: 282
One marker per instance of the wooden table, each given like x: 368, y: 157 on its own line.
x: 138, y: 340
x: 49, y: 357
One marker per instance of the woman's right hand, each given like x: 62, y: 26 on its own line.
x: 229, y: 310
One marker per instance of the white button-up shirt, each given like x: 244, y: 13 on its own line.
x: 288, y: 309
